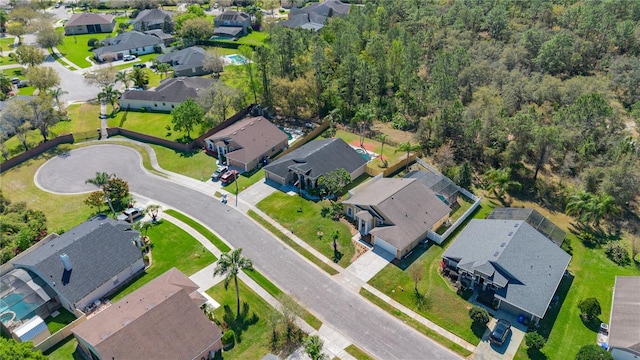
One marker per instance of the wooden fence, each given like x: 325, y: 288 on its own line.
x: 31, y: 153
x: 61, y: 334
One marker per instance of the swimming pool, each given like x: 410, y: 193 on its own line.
x: 236, y: 59
x: 365, y: 155
x: 15, y: 303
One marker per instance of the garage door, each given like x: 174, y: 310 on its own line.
x: 379, y: 243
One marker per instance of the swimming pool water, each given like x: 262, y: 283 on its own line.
x: 237, y: 59
x: 15, y: 302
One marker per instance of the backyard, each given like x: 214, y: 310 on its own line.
x: 151, y: 123
x: 171, y: 247
x: 390, y: 155
x: 302, y: 217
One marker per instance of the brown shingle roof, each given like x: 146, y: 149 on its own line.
x: 624, y: 326
x: 256, y: 135
x: 161, y: 320
x: 174, y: 90
x: 89, y: 19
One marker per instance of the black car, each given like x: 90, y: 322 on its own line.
x: 500, y: 332
x: 140, y: 65
x: 218, y: 173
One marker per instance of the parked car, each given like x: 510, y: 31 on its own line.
x: 218, y: 173
x: 129, y: 57
x: 15, y: 81
x: 228, y: 177
x: 23, y: 83
x: 500, y: 332
x: 131, y: 214
x: 140, y: 65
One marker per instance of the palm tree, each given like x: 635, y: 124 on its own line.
x: 164, y: 69
x: 580, y: 205
x: 139, y: 77
x: 123, y: 77
x: 604, y: 205
x: 229, y: 265
x: 500, y: 181
x: 56, y: 93
x: 152, y: 210
x: 101, y: 180
x: 110, y: 95
x: 382, y: 138
x: 5, y: 85
x: 408, y: 147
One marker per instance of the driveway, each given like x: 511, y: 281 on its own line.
x: 487, y: 351
x: 364, y: 324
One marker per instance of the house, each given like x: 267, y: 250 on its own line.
x: 128, y: 43
x: 187, y: 62
x: 396, y: 214
x: 160, y: 320
x: 169, y: 94
x: 84, y: 264
x: 314, y: 15
x: 167, y: 39
x: 89, y: 23
x: 313, y: 160
x: 231, y: 24
x: 247, y: 142
x: 441, y: 185
x: 624, y: 323
x: 512, y: 262
x: 152, y: 19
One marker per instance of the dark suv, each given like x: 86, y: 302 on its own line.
x: 218, y: 173
x: 500, y: 332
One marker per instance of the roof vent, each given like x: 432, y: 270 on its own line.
x: 503, y: 244
x: 66, y: 262
x: 516, y: 225
x: 241, y: 129
x: 510, y: 233
x: 496, y: 254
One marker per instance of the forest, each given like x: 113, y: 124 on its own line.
x: 543, y: 93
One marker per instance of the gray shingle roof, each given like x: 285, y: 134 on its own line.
x: 127, y: 41
x: 98, y: 250
x: 174, y: 90
x: 408, y: 207
x: 186, y: 58
x: 228, y: 30
x: 314, y: 15
x: 89, y: 19
x: 318, y: 157
x: 161, y: 320
x: 624, y: 325
x: 152, y: 16
x: 513, y: 253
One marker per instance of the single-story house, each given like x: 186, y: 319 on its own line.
x: 89, y: 23
x: 132, y: 42
x: 314, y: 15
x: 512, y: 260
x: 231, y: 24
x: 187, y: 62
x: 160, y: 320
x: 396, y: 213
x: 439, y: 184
x: 247, y: 142
x: 170, y: 93
x: 167, y: 39
x: 303, y: 166
x: 624, y: 323
x: 151, y: 19
x: 87, y: 262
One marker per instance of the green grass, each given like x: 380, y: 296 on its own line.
x: 76, y: 49
x: 306, y: 223
x: 255, y: 38
x: 7, y: 42
x: 7, y: 60
x: 83, y: 117
x: 251, y: 327
x: 150, y: 123
x: 302, y: 251
x: 277, y: 293
x: 245, y: 181
x: 171, y: 247
x: 65, y: 350
x: 357, y: 353
x: 222, y: 246
x: 197, y: 164
x: 390, y: 154
x: 414, y: 323
x: 63, y: 319
x: 218, y: 51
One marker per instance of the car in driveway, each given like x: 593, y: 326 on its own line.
x: 131, y: 214
x: 129, y: 57
x: 500, y: 332
x: 218, y: 173
x: 228, y: 177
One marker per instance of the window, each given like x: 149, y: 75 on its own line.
x: 156, y: 105
x: 173, y: 106
x: 163, y: 104
x: 349, y: 211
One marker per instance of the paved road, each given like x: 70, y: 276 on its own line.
x: 363, y: 323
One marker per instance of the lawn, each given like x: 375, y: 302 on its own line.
x: 150, y: 123
x: 306, y: 224
x: 6, y: 42
x: 218, y: 51
x: 65, y: 350
x: 171, y: 247
x: 197, y: 164
x: 254, y: 38
x: 247, y: 179
x: 251, y: 327
x: 17, y: 185
x: 222, y: 246
x: 357, y: 353
x: 7, y: 60
x: 83, y: 117
x: 63, y: 319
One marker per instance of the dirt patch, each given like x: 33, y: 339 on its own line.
x: 393, y: 135
x: 360, y: 249
x: 367, y: 145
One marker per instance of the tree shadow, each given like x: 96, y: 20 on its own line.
x: 591, y: 324
x: 535, y: 354
x: 478, y: 329
x: 421, y: 300
x: 241, y: 322
x: 184, y: 139
x: 337, y: 255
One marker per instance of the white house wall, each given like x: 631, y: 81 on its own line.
x: 108, y: 286
x: 385, y: 246
x: 148, y: 105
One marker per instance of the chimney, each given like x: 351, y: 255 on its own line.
x: 65, y: 261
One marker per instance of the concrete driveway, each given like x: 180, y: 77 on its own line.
x: 358, y: 320
x: 488, y: 351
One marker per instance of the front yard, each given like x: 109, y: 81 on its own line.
x: 309, y: 225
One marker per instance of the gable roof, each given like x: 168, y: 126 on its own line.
x: 317, y: 158
x: 186, y: 58
x: 98, y: 250
x: 314, y: 15
x: 514, y: 255
x: 624, y: 324
x: 256, y: 136
x: 161, y: 320
x: 152, y: 16
x: 78, y: 19
x: 175, y: 90
x: 232, y: 15
x: 126, y: 41
x: 410, y: 207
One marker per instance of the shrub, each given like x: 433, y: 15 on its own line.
x: 618, y: 254
x: 228, y: 337
x: 589, y: 240
x: 534, y: 340
x: 593, y: 352
x: 479, y: 315
x: 93, y: 43
x: 590, y: 308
